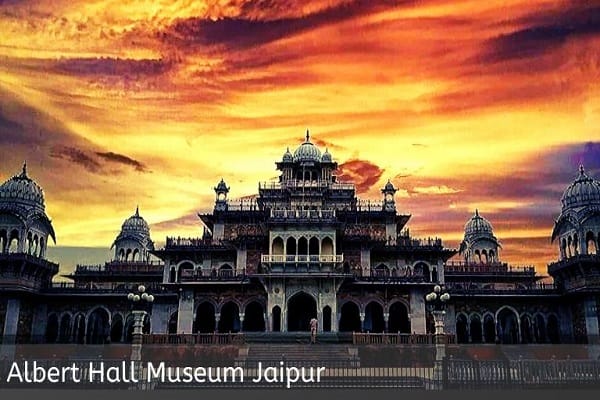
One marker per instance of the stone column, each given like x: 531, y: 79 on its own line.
x: 159, y: 319
x: 417, y: 311
x: 591, y: 320
x: 240, y: 265
x: 241, y: 315
x: 365, y: 262
x: 362, y: 321
x: 386, y: 320
x: 39, y: 322
x: 137, y: 335
x: 185, y: 312
x: 11, y: 326
x: 217, y: 319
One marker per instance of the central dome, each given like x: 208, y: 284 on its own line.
x: 135, y: 223
x: 307, y: 152
x: 478, y: 225
x: 22, y: 189
x: 584, y: 191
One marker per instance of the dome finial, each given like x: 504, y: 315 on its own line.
x: 581, y: 169
x: 24, y: 172
x: 307, y: 136
x: 476, y: 212
x: 137, y: 210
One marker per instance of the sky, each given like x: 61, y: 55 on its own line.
x: 461, y: 104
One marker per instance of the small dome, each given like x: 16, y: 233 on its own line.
x: 22, y: 189
x: 136, y: 224
x: 478, y: 226
x: 389, y: 187
x: 584, y: 191
x: 326, y: 157
x: 287, y: 156
x: 307, y: 151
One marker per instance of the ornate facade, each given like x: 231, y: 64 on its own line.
x: 305, y: 246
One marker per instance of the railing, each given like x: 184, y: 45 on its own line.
x: 359, y: 338
x: 71, y: 287
x: 122, y: 268
x: 242, y: 205
x: 471, y: 289
x: 405, y: 241
x: 186, y: 243
x: 460, y: 267
x: 303, y: 214
x: 276, y: 258
x: 29, y: 258
x: 295, y: 183
x: 555, y: 266
x: 194, y: 339
x: 369, y: 205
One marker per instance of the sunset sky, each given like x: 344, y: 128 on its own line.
x: 462, y: 104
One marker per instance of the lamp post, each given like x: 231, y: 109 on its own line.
x: 436, y: 303
x: 141, y: 304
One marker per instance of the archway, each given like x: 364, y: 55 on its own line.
x: 313, y: 246
x: 327, y: 246
x: 65, y: 329
x: 276, y: 319
x: 461, y: 329
x: 52, y: 329
x: 374, y: 321
x: 553, y: 330
x: 398, y: 318
x: 79, y: 329
x: 508, y: 326
x: 489, y: 329
x: 172, y: 327
x: 327, y: 319
x: 526, y: 336
x: 350, y: 318
x: 301, y: 308
x: 475, y: 329
x: 128, y: 328
x: 230, y: 318
x: 98, y: 327
x: 116, y: 330
x: 290, y: 246
x: 302, y: 246
x: 205, y: 318
x: 539, y: 329
x: 277, y: 246
x: 254, y: 318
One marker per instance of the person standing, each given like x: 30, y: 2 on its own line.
x: 314, y: 325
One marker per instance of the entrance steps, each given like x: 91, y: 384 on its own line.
x: 300, y: 354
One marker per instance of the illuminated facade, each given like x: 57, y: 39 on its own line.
x: 305, y: 246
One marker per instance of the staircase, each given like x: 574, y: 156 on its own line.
x: 300, y: 354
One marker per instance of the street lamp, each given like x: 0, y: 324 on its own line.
x: 141, y: 303
x: 436, y: 302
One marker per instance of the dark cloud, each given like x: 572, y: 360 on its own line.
x: 187, y: 220
x: 78, y: 157
x: 121, y: 159
x: 113, y: 66
x: 244, y: 33
x: 545, y: 32
x: 363, y: 173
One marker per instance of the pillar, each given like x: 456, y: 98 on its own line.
x: 418, y: 321
x: 137, y: 335
x: 362, y: 321
x: 386, y: 320
x: 240, y: 266
x: 591, y: 320
x: 217, y: 319
x: 39, y: 322
x: 241, y: 316
x: 365, y: 262
x: 159, y: 320
x: 185, y: 311
x: 11, y: 326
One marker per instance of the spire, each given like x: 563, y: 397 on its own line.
x: 137, y: 211
x: 581, y: 169
x: 476, y: 212
x: 24, y: 172
x: 307, y: 136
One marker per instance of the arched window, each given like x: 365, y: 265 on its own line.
x: 398, y: 318
x: 65, y: 329
x: 226, y: 271
x: 552, y: 329
x: 313, y: 246
x: 205, y: 318
x: 277, y: 246
x: 276, y: 315
x: 302, y: 246
x: 230, y: 318
x: 475, y: 329
x: 382, y: 270
x: 461, y: 329
x: 590, y: 241
x: 326, y: 319
x: 489, y: 329
x: 327, y: 246
x: 116, y: 329
x: 508, y: 326
x: 136, y: 255
x: 52, y: 329
x: 254, y: 318
x: 97, y: 327
x: 79, y: 329
x: 13, y: 242
x: 185, y: 271
x: 374, y: 321
x: 290, y: 246
x: 526, y: 330
x: 350, y: 318
x: 422, y: 269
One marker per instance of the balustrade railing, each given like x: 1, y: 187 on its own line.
x: 194, y: 339
x: 277, y: 258
x: 359, y: 338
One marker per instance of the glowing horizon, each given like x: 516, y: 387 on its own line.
x: 461, y: 104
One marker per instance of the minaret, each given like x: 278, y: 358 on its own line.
x: 389, y: 191
x: 221, y: 191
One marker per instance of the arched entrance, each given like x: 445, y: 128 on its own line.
x: 254, y: 318
x: 508, y: 327
x: 399, y: 322
x: 374, y: 318
x: 116, y: 329
x: 230, y: 318
x: 462, y: 335
x: 276, y: 319
x: 350, y: 318
x: 173, y: 319
x: 97, y: 327
x: 52, y: 329
x: 301, y: 308
x: 205, y: 318
x: 327, y: 319
x: 475, y: 329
